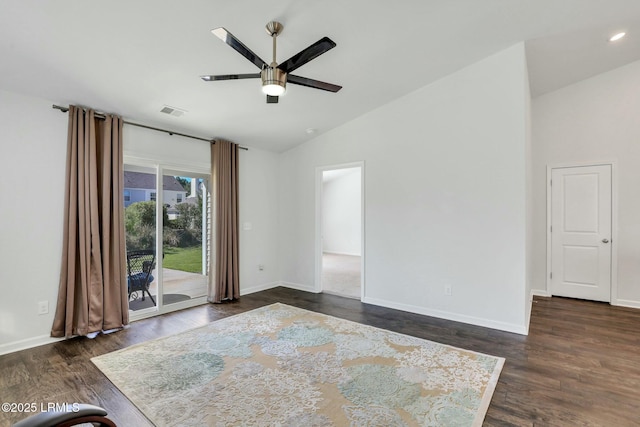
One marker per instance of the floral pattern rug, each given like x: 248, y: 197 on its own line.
x: 284, y: 366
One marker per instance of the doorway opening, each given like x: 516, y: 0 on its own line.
x: 339, y: 230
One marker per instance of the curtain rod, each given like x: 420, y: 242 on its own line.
x: 170, y: 132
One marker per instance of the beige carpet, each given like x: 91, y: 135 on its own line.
x: 285, y: 366
x: 341, y: 275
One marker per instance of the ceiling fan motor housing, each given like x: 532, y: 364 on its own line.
x: 273, y: 76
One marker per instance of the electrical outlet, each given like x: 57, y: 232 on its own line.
x: 43, y: 307
x: 261, y: 267
x: 447, y: 289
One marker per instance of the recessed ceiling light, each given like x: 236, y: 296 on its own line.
x: 617, y: 37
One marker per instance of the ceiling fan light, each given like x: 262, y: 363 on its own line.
x: 274, y: 81
x: 273, y: 89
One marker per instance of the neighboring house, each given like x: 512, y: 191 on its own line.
x: 141, y: 187
x: 197, y: 187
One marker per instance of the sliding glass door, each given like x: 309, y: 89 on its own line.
x: 140, y: 218
x: 166, y: 229
x: 184, y: 236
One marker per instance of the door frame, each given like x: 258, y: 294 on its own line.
x: 319, y: 204
x: 614, y: 221
x: 159, y: 169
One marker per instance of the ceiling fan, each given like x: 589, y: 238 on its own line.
x: 276, y: 76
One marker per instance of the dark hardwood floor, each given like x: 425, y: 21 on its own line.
x: 579, y: 365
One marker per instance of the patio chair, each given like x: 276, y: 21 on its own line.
x: 139, y: 266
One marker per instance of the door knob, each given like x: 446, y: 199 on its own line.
x: 605, y: 240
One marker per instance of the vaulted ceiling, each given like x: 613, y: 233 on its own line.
x: 134, y: 57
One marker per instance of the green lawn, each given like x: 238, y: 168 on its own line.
x: 183, y: 259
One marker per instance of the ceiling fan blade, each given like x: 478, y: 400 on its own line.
x: 230, y: 77
x: 272, y: 99
x: 306, y: 55
x: 316, y: 84
x: 232, y: 41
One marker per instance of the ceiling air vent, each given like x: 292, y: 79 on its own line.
x: 172, y: 111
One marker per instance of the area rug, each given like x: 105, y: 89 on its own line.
x: 284, y: 366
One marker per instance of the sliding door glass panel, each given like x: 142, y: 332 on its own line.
x: 184, y: 236
x: 140, y: 214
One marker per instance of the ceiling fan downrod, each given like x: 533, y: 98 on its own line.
x: 274, y: 80
x: 274, y: 28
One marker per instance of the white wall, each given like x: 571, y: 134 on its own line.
x: 33, y: 139
x: 341, y: 217
x: 445, y: 196
x: 529, y: 193
x: 33, y: 146
x: 175, y: 151
x: 591, y: 121
x: 259, y: 207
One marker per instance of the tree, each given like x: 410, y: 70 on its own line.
x: 140, y: 225
x: 189, y: 216
x: 185, y: 182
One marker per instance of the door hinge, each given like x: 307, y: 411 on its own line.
x: 551, y: 182
x: 551, y: 275
x: 551, y: 228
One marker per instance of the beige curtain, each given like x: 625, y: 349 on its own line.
x: 224, y: 282
x: 92, y: 296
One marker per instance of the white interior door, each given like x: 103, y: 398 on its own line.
x: 581, y: 232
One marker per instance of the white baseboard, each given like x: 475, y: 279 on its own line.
x: 478, y: 321
x: 626, y: 303
x: 540, y: 293
x: 340, y: 253
x: 529, y: 307
x: 299, y: 287
x: 27, y: 343
x: 258, y: 288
